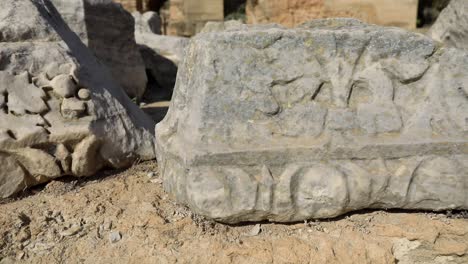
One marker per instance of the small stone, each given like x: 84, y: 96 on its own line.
x: 64, y: 156
x: 255, y: 230
x: 73, y: 108
x: 19, y: 255
x: 63, y: 85
x: 73, y: 230
x: 107, y: 225
x: 84, y: 94
x: 157, y: 181
x: 115, y: 237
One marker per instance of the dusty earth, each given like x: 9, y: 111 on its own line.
x: 125, y: 217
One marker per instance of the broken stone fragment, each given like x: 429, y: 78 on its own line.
x: 64, y: 156
x: 64, y: 86
x: 85, y: 157
x: 41, y: 121
x: 12, y: 176
x: 73, y: 108
x: 38, y: 163
x: 23, y: 96
x: 41, y: 80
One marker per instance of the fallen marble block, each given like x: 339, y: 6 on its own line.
x: 61, y: 111
x: 313, y: 122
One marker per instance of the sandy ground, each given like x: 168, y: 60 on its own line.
x: 125, y: 217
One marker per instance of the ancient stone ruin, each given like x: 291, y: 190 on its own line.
x: 316, y: 121
x: 61, y: 113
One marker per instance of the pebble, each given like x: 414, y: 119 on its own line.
x: 158, y: 181
x: 73, y: 230
x: 255, y: 230
x: 63, y: 85
x: 19, y: 255
x: 115, y: 237
x: 84, y: 94
x: 107, y: 225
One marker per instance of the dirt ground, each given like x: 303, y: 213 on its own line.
x: 125, y: 217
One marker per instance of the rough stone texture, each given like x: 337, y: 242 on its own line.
x: 108, y: 30
x: 62, y: 113
x: 148, y: 22
x: 451, y: 27
x: 75, y: 219
x: 401, y: 13
x: 316, y: 121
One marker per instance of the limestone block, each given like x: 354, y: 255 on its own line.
x: 269, y: 123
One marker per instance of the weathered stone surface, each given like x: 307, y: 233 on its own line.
x: 49, y: 127
x: 108, y: 30
x: 316, y: 121
x: 148, y: 22
x: 451, y: 27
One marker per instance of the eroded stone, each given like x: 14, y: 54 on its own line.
x: 73, y: 108
x: 64, y: 85
x: 47, y: 128
x: 451, y: 26
x: 313, y: 122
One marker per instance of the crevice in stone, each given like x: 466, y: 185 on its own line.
x: 285, y: 82
x: 317, y: 91
x: 351, y: 89
x: 5, y: 107
x: 11, y: 134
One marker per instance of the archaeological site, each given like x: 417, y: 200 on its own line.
x: 234, y: 131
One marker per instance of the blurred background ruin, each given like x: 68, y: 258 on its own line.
x: 187, y: 17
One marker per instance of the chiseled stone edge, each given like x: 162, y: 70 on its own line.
x: 320, y: 189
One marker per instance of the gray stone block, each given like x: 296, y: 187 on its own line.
x: 316, y: 121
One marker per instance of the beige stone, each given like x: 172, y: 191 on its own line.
x: 402, y: 13
x: 63, y: 85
